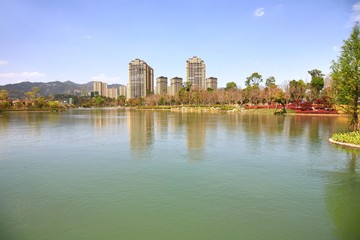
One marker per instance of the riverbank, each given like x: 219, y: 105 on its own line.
x: 236, y: 109
x: 209, y: 109
x: 32, y: 110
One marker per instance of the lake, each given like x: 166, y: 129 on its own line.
x: 126, y: 174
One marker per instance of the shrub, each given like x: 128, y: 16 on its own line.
x: 347, y: 137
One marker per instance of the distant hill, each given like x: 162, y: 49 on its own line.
x: 18, y: 90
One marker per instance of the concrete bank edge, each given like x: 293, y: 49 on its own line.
x: 344, y: 144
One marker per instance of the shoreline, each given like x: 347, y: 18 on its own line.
x: 208, y: 109
x: 344, y: 144
x: 236, y: 111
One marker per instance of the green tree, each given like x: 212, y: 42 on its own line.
x: 4, y: 94
x: 270, y: 81
x: 230, y: 86
x: 54, y: 105
x: 346, y: 76
x: 317, y: 81
x: 34, y: 93
x: 253, y: 80
x: 187, y: 86
x: 297, y: 89
x: 99, y: 101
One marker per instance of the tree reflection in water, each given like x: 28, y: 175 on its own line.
x: 343, y: 198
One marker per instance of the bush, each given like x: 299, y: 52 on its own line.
x: 347, y: 137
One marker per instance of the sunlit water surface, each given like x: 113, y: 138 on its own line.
x: 125, y: 174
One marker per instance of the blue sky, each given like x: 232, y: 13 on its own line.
x: 85, y: 40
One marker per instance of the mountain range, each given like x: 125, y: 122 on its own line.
x: 18, y: 90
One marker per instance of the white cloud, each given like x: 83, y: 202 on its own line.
x: 3, y: 62
x: 103, y: 78
x: 259, y: 12
x: 32, y: 74
x: 355, y: 15
x: 21, y: 75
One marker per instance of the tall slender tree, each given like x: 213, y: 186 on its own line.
x: 346, y: 76
x: 317, y: 81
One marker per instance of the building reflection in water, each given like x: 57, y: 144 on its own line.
x: 162, y: 124
x: 195, y: 135
x: 195, y: 130
x: 141, y: 130
x: 106, y: 120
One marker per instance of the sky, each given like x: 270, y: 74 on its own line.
x: 86, y: 40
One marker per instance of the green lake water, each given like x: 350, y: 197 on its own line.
x: 125, y: 174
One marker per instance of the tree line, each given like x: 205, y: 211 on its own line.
x: 342, y: 87
x: 254, y: 93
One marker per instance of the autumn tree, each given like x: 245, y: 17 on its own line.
x: 346, y: 76
x: 230, y: 86
x: 279, y: 97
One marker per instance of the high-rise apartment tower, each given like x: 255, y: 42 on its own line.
x: 196, y: 73
x: 161, y: 85
x: 141, y: 79
x: 176, y: 84
x: 122, y: 91
x: 211, y: 83
x: 100, y: 88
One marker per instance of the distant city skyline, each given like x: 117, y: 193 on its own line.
x: 83, y: 41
